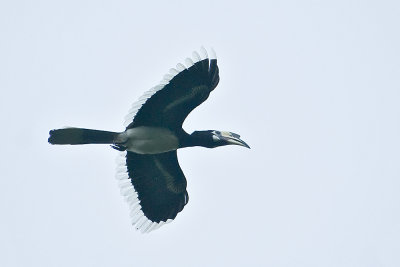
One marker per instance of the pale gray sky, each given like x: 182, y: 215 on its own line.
x: 312, y: 86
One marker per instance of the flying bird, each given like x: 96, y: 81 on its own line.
x: 148, y: 171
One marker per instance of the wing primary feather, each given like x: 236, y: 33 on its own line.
x: 152, y: 227
x: 203, y: 53
x: 136, y: 217
x: 180, y: 67
x: 205, y: 65
x: 124, y: 183
x: 165, y: 81
x: 159, y: 225
x: 215, y: 79
x: 213, y: 55
x: 213, y: 70
x: 144, y: 226
x: 173, y: 71
x: 196, y: 57
x: 140, y: 223
x: 134, y: 209
x: 126, y: 191
x: 148, y: 227
x: 168, y: 77
x: 189, y: 62
x: 121, y: 169
x: 122, y: 176
x: 133, y: 202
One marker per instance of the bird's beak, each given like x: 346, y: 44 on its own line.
x: 232, y: 138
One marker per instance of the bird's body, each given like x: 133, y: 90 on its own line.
x: 148, y: 140
x: 148, y: 169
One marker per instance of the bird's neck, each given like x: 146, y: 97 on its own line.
x: 195, y: 139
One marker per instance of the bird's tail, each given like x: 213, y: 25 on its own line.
x: 80, y: 136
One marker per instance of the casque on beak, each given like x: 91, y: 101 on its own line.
x: 231, y: 138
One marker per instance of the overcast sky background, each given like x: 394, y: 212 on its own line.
x: 312, y: 86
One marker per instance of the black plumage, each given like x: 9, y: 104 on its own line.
x: 162, y: 196
x: 170, y: 106
x: 149, y: 173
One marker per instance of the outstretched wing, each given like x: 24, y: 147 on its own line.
x: 154, y: 187
x: 169, y: 103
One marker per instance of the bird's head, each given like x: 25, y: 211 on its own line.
x: 212, y: 138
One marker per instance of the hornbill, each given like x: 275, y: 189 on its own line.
x: 148, y: 170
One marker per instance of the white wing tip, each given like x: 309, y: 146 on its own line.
x: 203, y: 53
x: 196, y: 57
x: 213, y: 55
x: 189, y: 62
x: 168, y: 77
x: 180, y: 67
x: 138, y: 218
x: 173, y: 71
